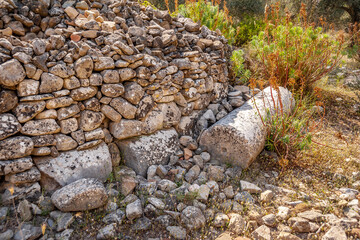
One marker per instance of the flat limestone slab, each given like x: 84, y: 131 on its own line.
x: 141, y: 152
x: 239, y: 137
x: 74, y: 165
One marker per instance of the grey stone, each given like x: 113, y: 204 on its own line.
x: 107, y: 232
x: 237, y: 223
x: 127, y: 128
x: 81, y: 195
x: 15, y: 166
x: 166, y: 185
x: 24, y: 210
x: 126, y: 109
x: 9, y: 125
x: 61, y: 70
x: 28, y: 176
x: 26, y: 111
x: 112, y: 90
x: 7, y: 235
x: 192, y: 174
x: 15, y: 147
x: 335, y: 233
x: 157, y: 148
x: 249, y: 187
x: 159, y: 204
x: 114, y: 217
x: 84, y: 67
x: 298, y: 224
x: 90, y: 120
x: 141, y: 224
x: 221, y: 220
x: 269, y: 220
x: 83, y: 93
x: 266, y: 196
x: 262, y: 233
x: 40, y: 127
x: 27, y: 232
x: 65, y: 142
x: 192, y: 218
x: 244, y: 197
x: 283, y: 213
x: 74, y: 165
x: 28, y: 88
x: 216, y: 173
x: 104, y: 63
x: 11, y: 73
x: 63, y: 220
x: 177, y: 232
x: 133, y: 92
x: 26, y: 190
x: 171, y: 113
x: 312, y: 215
x: 136, y: 31
x: 50, y: 83
x: 243, y: 128
x: 134, y: 210
x: 39, y: 46
x: 64, y: 235
x: 8, y: 100
x: 126, y: 74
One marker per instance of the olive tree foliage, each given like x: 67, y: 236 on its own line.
x: 241, y: 8
x: 351, y: 7
x: 237, y: 8
x: 335, y: 11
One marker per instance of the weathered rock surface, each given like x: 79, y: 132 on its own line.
x: 15, y: 147
x: 81, y: 195
x: 142, y: 152
x: 74, y: 165
x: 28, y: 110
x: 8, y: 100
x: 243, y: 128
x: 15, y: 166
x: 40, y: 127
x: 11, y: 73
x: 9, y: 125
x: 192, y: 218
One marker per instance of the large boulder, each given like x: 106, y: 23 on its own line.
x: 81, y: 195
x: 140, y: 153
x: 239, y: 137
x: 74, y: 165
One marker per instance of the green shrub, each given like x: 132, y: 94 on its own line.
x: 295, y: 55
x: 210, y: 15
x: 246, y: 28
x: 238, y: 67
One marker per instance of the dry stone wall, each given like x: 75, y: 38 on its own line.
x: 76, y: 74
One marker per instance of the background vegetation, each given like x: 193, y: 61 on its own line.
x: 283, y: 43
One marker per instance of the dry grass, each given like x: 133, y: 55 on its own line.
x: 338, y: 139
x: 329, y: 163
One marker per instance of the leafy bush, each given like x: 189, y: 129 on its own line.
x: 210, y: 15
x: 246, y: 28
x: 295, y: 55
x: 238, y: 67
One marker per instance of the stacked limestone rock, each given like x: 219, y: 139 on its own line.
x: 75, y: 74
